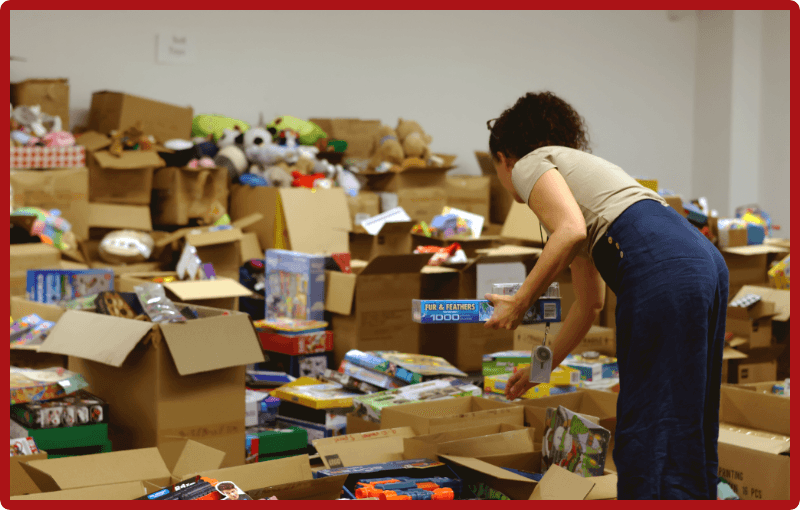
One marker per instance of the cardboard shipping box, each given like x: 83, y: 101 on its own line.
x: 21, y: 482
x: 101, y: 475
x: 52, y: 95
x: 392, y: 239
x: 361, y: 135
x: 220, y: 248
x: 127, y: 179
x: 602, y: 405
x: 222, y: 293
x: 755, y: 465
x: 360, y: 449
x: 599, y: 338
x: 427, y: 446
x: 160, y: 380
x: 118, y: 111
x: 753, y: 325
x: 65, y: 189
x: 183, y: 194
x: 106, y: 218
x: 30, y: 256
x: 372, y: 305
x: 450, y: 414
x: 365, y: 203
x: 469, y: 193
x: 297, y: 219
x: 490, y: 481
x: 500, y: 200
x: 472, y: 246
x: 748, y: 265
x: 506, y: 439
x: 90, y: 251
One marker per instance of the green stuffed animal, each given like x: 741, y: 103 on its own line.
x: 204, y: 126
x: 308, y: 132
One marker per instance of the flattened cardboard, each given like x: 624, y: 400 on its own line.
x: 558, y: 483
x: 450, y: 414
x: 316, y: 222
x: 119, y: 217
x: 360, y: 449
x: 125, y: 491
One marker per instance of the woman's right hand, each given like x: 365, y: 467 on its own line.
x: 518, y: 383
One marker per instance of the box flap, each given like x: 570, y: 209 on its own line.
x: 486, y: 468
x: 251, y: 248
x: 95, y: 337
x: 504, y: 442
x: 521, y: 223
x: 760, y: 411
x: 212, y: 343
x: 383, y: 264
x: 558, y: 483
x: 384, y: 445
x: 183, y: 458
x: 93, y: 141
x: 762, y: 444
x: 605, y: 487
x: 729, y: 353
x: 777, y: 296
x: 396, y: 228
x: 311, y: 216
x: 757, y: 311
x: 199, y: 239
x: 207, y: 289
x: 101, y: 468
x: 255, y: 476
x: 339, y: 291
x: 134, y: 217
x: 125, y: 491
x: 246, y: 221
x: 437, y: 270
x: 756, y: 249
x: 325, y: 488
x: 130, y: 160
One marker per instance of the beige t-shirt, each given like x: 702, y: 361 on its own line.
x: 603, y: 190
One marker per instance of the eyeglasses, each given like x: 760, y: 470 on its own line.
x: 489, y: 124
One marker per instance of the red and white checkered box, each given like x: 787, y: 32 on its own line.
x: 48, y: 157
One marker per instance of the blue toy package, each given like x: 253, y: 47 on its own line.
x: 53, y: 286
x: 378, y: 364
x: 295, y: 285
x: 466, y: 311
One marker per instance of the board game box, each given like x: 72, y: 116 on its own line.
x: 295, y: 285
x: 574, y: 443
x: 53, y: 286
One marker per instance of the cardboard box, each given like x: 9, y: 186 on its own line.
x: 118, y: 111
x: 755, y: 467
x: 602, y: 405
x: 21, y: 482
x: 490, y: 481
x: 753, y: 325
x: 309, y: 222
x: 365, y: 203
x: 748, y: 265
x: 450, y: 414
x: 183, y: 194
x: 360, y: 449
x: 90, y: 251
x: 599, y: 338
x: 47, y: 157
x: 469, y: 193
x: 494, y: 439
x: 127, y: 179
x: 125, y: 491
x: 52, y: 95
x: 361, y: 135
x: 221, y: 248
x: 759, y: 365
x: 356, y: 424
x: 65, y: 189
x: 171, y: 371
x: 222, y: 293
x: 392, y: 239
x: 500, y: 200
x: 472, y: 247
x: 768, y: 387
x: 372, y: 305
x: 30, y: 256
x: 159, y: 466
x: 105, y: 218
x: 676, y: 202
x: 426, y: 446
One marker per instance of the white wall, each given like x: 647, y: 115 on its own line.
x: 629, y: 73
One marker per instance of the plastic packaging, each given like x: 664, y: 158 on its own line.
x: 125, y: 247
x: 156, y: 304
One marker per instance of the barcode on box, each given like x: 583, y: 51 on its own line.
x: 575, y: 377
x: 550, y: 311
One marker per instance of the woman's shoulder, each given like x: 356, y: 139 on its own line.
x: 551, y: 151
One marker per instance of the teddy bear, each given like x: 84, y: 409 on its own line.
x: 389, y: 148
x: 414, y: 141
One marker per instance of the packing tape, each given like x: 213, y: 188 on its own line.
x: 203, y: 431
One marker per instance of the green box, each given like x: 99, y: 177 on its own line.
x: 504, y: 362
x: 276, y: 440
x: 66, y: 437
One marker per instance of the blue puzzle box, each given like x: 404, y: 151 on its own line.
x: 53, y: 286
x: 466, y: 311
x: 295, y: 285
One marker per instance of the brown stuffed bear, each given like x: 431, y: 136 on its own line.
x: 389, y: 148
x: 415, y: 142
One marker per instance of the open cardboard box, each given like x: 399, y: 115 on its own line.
x: 597, y: 403
x: 127, y: 179
x: 372, y: 305
x: 182, y: 194
x: 450, y: 414
x: 21, y: 482
x: 471, y: 246
x: 160, y: 379
x: 491, y: 439
x: 361, y: 135
x: 119, y: 111
x: 598, y: 338
x: 30, y: 256
x: 81, y: 477
x: 755, y: 467
x: 105, y: 218
x: 222, y: 293
x: 392, y: 239
x: 359, y: 449
x: 748, y: 265
x: 297, y: 219
x: 469, y: 193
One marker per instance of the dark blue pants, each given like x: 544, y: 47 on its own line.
x: 672, y: 292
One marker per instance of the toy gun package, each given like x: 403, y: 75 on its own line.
x: 199, y: 488
x: 405, y: 488
x: 465, y: 311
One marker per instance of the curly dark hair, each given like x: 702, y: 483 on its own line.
x: 537, y: 120
x: 225, y: 486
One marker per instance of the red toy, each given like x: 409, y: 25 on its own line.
x: 305, y: 181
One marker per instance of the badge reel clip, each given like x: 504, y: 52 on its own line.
x: 541, y: 361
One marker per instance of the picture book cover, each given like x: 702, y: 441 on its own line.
x: 424, y: 365
x: 295, y: 285
x: 574, y: 443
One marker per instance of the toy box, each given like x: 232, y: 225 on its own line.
x: 317, y: 396
x: 277, y: 442
x: 302, y: 365
x: 369, y: 407
x: 378, y: 364
x: 467, y: 311
x: 497, y: 384
x: 294, y: 336
x: 412, y: 468
x: 265, y: 378
x: 574, y: 443
x: 81, y: 408
x: 349, y: 382
x: 544, y: 310
x: 504, y: 362
x: 368, y: 376
x: 53, y: 286
x: 313, y: 430
x: 295, y: 285
x: 66, y: 441
x: 30, y: 330
x: 559, y: 376
x: 593, y: 366
x: 330, y: 417
x: 426, y: 366
x: 260, y: 408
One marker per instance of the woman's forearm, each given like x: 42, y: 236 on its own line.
x: 574, y: 328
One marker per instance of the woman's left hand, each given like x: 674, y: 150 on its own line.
x: 507, y: 312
